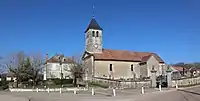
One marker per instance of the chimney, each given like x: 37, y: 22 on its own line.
x: 62, y: 55
x: 47, y: 56
x: 73, y: 57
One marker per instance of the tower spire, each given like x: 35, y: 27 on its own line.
x: 93, y: 10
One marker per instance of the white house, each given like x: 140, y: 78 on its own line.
x: 56, y: 66
x: 9, y: 76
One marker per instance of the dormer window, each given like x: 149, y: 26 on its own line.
x: 93, y: 33
x: 97, y: 33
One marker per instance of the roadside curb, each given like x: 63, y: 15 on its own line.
x: 182, y: 88
x: 188, y: 91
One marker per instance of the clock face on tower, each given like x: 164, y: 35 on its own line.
x: 96, y: 46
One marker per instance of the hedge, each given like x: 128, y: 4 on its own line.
x: 58, y: 81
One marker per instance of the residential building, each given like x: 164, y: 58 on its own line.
x: 116, y: 64
x: 177, y: 72
x: 8, y: 76
x: 57, y: 66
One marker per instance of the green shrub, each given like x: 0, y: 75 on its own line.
x: 58, y: 81
x: 3, y: 85
x: 95, y: 84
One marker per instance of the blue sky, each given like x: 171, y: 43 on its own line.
x: 170, y: 28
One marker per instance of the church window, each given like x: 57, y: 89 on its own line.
x: 93, y: 34
x: 97, y: 34
x: 87, y: 35
x: 131, y: 67
x: 110, y: 67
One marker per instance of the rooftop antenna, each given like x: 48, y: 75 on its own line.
x: 93, y: 11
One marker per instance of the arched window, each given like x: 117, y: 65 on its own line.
x: 153, y: 67
x: 131, y: 67
x: 93, y: 34
x: 97, y: 34
x: 110, y: 67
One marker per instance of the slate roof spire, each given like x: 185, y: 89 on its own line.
x: 93, y: 24
x: 93, y: 11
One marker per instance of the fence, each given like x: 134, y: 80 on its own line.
x: 123, y: 83
x: 46, y: 90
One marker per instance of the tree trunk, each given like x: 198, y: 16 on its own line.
x: 75, y: 81
x: 17, y: 83
x: 33, y: 83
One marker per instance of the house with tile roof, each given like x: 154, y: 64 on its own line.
x: 116, y: 64
x: 57, y: 66
x: 177, y: 72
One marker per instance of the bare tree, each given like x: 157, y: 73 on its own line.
x: 77, y: 70
x: 15, y: 65
x: 1, y: 66
x: 34, y: 66
x: 24, y: 67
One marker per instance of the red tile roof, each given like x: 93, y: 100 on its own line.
x: 123, y: 55
x: 178, y: 68
x: 146, y: 58
x: 9, y: 74
x: 55, y: 59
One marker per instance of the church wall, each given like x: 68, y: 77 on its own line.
x: 88, y: 63
x: 120, y: 69
x: 152, y: 62
x: 143, y: 70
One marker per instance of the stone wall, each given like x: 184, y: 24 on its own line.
x: 123, y: 83
x: 136, y: 84
x: 120, y: 69
x: 186, y: 82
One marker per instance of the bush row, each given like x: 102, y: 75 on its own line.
x: 58, y: 81
x: 95, y: 84
x: 3, y: 85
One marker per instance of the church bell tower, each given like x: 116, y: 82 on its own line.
x: 93, y: 37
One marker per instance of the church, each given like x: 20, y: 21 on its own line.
x: 116, y: 64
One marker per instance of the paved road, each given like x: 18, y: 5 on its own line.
x: 189, y: 94
x: 100, y: 94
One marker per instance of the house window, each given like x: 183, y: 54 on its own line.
x: 97, y: 34
x: 153, y: 67
x: 93, y: 34
x: 131, y: 67
x: 110, y: 67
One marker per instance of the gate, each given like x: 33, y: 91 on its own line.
x: 162, y: 79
